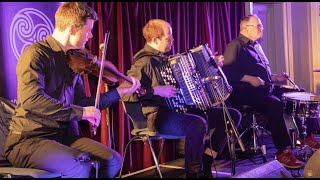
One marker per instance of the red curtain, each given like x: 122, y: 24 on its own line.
x: 215, y: 23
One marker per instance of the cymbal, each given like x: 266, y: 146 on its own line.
x: 316, y: 70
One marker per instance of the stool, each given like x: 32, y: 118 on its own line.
x: 256, y: 129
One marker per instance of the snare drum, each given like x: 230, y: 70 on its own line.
x: 299, y: 104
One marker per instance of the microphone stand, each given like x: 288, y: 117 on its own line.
x: 231, y: 129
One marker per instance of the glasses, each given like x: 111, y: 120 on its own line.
x: 260, y: 26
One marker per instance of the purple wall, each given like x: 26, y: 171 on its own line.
x: 22, y: 23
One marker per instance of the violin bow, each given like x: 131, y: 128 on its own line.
x: 97, y: 100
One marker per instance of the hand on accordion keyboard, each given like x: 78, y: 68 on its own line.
x: 166, y: 91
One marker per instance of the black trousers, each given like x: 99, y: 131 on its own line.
x: 217, y: 119
x: 192, y: 127
x: 62, y: 154
x: 270, y: 106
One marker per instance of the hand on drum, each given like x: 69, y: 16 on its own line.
x: 279, y: 78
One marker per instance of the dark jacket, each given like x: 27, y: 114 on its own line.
x: 50, y: 94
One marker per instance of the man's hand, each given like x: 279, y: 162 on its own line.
x: 257, y: 81
x: 253, y: 80
x: 279, y: 78
x: 92, y: 114
x: 218, y: 59
x: 165, y: 91
x: 128, y: 88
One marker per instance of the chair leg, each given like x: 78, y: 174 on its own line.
x: 161, y: 149
x: 154, y: 157
x: 96, y: 166
x: 124, y: 154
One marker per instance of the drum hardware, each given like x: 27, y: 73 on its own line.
x: 294, y: 131
x: 300, y: 105
x: 231, y: 129
x: 304, y: 152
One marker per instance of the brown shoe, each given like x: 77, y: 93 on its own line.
x: 312, y: 142
x: 289, y: 160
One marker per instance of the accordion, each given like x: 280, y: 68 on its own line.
x: 200, y: 82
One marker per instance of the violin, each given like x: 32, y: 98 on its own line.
x: 82, y: 62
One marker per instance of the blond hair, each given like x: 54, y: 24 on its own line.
x: 154, y: 29
x: 70, y: 13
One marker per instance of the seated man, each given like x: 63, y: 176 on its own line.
x: 247, y: 69
x: 198, y: 157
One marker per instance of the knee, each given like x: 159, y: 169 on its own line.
x: 79, y: 167
x: 198, y: 126
x: 277, y: 106
x: 274, y: 104
x: 113, y: 165
x: 235, y: 115
x: 201, y: 127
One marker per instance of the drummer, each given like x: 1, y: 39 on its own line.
x: 247, y: 70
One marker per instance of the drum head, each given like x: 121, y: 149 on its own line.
x: 300, y: 96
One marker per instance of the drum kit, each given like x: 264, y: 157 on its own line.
x: 301, y: 106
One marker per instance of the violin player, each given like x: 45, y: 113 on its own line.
x: 44, y: 130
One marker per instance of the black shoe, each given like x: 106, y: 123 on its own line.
x: 206, y: 166
x: 204, y: 174
x: 199, y: 175
x: 192, y: 175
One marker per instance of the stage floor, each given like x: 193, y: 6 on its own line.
x: 251, y: 166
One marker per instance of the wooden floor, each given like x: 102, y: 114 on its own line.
x: 246, y: 165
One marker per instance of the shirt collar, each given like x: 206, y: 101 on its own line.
x: 152, y: 50
x: 53, y: 43
x: 246, y: 40
x: 148, y: 48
